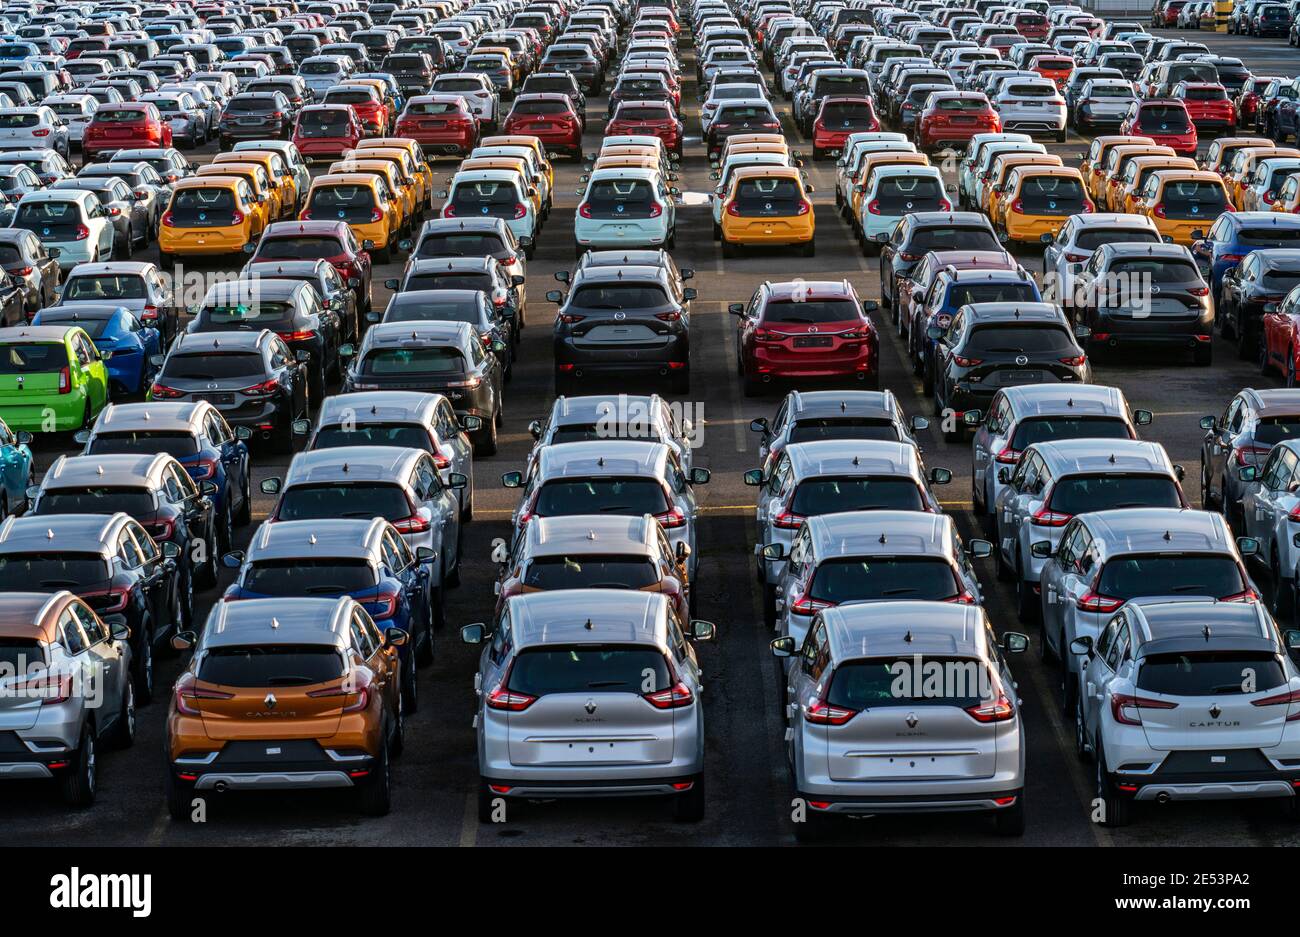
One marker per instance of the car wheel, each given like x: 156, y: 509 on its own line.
x: 1080, y: 734
x: 1115, y: 809
x: 142, y: 676
x: 410, y: 700
x: 376, y: 794
x: 124, y: 731
x: 245, y: 513
x: 688, y: 807
x: 78, y: 787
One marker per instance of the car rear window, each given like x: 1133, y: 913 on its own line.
x: 248, y: 314
x: 137, y: 502
x: 13, y: 121
x: 433, y: 359
x: 871, y: 684
x: 586, y: 668
x: 852, y: 427
x: 1209, y: 673
x: 314, y: 502
x: 621, y: 496
x: 352, y: 203
x: 467, y: 244
x: 771, y: 196
x: 19, y: 656
x: 323, y: 123
x: 1163, y: 118
x: 434, y: 107
x: 900, y: 194
x: 456, y: 311
x: 627, y: 296
x: 199, y: 206
x: 1163, y: 270
x: 483, y: 197
x: 1192, y: 199
x: 582, y: 571
x: 174, y: 444
x: 1051, y: 428
x: 401, y: 435
x: 270, y: 665
x: 845, y: 115
x: 1046, y: 195
x: 303, y: 247
x: 33, y: 358
x: 1091, y: 238
x: 105, y: 287
x: 56, y: 220
x: 962, y: 104
x: 950, y: 238
x: 20, y: 572
x: 884, y: 577
x: 856, y: 493
x: 213, y: 366
x: 1077, y: 494
x: 300, y: 576
x: 621, y: 198
x: 1274, y: 235
x: 811, y: 312
x: 1206, y: 94
x: 113, y: 115
x: 551, y: 106
x: 1131, y: 577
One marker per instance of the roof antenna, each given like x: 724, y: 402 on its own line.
x: 49, y: 533
x: 591, y: 535
x: 589, y: 626
x: 601, y: 461
x: 843, y: 406
x: 1070, y: 402
x: 275, y: 623
x: 1168, y: 536
x: 312, y: 539
x: 99, y: 470
x: 907, y: 638
x: 855, y: 460
x: 884, y: 538
x: 1112, y: 458
x: 1205, y: 630
x: 345, y: 466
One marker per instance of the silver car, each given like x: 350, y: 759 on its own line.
x: 1106, y: 559
x: 137, y: 285
x: 647, y: 417
x: 406, y: 419
x: 807, y: 416
x: 1054, y: 481
x: 1270, y: 509
x: 34, y: 127
x: 589, y: 693
x: 1244, y: 434
x: 75, y: 110
x: 53, y: 642
x: 869, y: 732
x: 189, y: 121
x: 1021, y: 416
x: 871, y: 556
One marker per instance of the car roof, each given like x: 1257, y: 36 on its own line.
x: 262, y: 287
x: 1274, y: 401
x: 351, y: 463
x: 602, y: 457
x: 387, y: 334
x: 1008, y: 312
x: 1159, y: 530
x: 153, y: 415
x: 1057, y: 399
x: 862, y: 533
x: 309, y: 539
x: 30, y: 614
x: 38, y: 333
x: 574, y: 410
x: 1072, y: 456
x: 904, y: 629
x: 819, y: 403
x: 234, y: 340
x: 74, y: 533
x: 76, y: 471
x: 1165, y: 626
x: 588, y: 616
x: 380, y: 405
x: 279, y: 621
x: 590, y: 533
x: 852, y: 457
x: 1127, y: 250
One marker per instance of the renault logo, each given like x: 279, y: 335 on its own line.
x: 590, y: 707
x: 1022, y: 360
x: 269, y: 701
x: 912, y: 720
x: 1215, y: 711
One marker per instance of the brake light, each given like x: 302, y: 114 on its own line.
x: 804, y: 208
x: 945, y: 205
x: 668, y: 316
x: 1250, y: 595
x: 520, y: 210
x: 819, y: 712
x: 108, y: 600
x: 964, y: 598
x: 1239, y: 455
x: 1285, y: 698
x: 963, y: 362
x: 187, y: 690
x: 203, y: 468
x: 1074, y: 361
x: 672, y: 519
x: 656, y: 210
x: 1088, y: 207
x: 1092, y: 601
x: 358, y: 686
x: 806, y: 605
x: 733, y: 209
x: 676, y: 696
x: 376, y: 214
x: 584, y: 210
x: 874, y: 206
x: 113, y: 210
x: 65, y: 380
x: 156, y: 391
x: 51, y: 688
x: 788, y: 520
x: 569, y: 318
x: 1125, y: 709
x: 82, y: 232
x: 509, y: 701
x: 1047, y: 518
x: 167, y: 220
x: 264, y: 389
x: 41, y: 132
x: 299, y: 336
x: 236, y: 217
x: 382, y: 605
x: 1199, y: 291
x: 1158, y: 209
x: 998, y: 710
x: 448, y: 211
x: 1018, y: 207
x: 163, y: 529
x: 1008, y: 456
x: 23, y: 271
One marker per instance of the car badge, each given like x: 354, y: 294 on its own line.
x: 812, y: 330
x: 619, y: 209
x: 1155, y: 289
x: 45, y: 231
x: 1022, y: 360
x: 746, y: 126
x: 590, y: 707
x: 767, y: 206
x: 20, y: 380
x: 846, y: 123
x: 1215, y: 711
x: 1164, y: 126
x: 912, y: 720
x: 620, y: 316
x: 1051, y: 204
x: 269, y: 701
x: 484, y: 209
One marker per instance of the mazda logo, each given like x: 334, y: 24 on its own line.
x: 1022, y: 360
x: 620, y: 316
x: 812, y: 330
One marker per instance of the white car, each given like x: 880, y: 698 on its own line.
x: 1167, y: 715
x: 1079, y: 236
x: 477, y: 90
x: 897, y: 190
x: 76, y: 110
x: 625, y: 208
x: 721, y: 93
x: 1032, y: 106
x: 33, y: 128
x: 59, y: 216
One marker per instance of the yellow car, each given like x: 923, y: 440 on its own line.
x: 408, y: 174
x: 539, y: 172
x: 404, y: 196
x: 362, y: 200
x: 522, y: 139
x: 277, y: 171
x: 1243, y: 167
x: 418, y: 160
x: 1036, y: 200
x: 207, y: 216
x: 1001, y: 169
x: 1288, y: 200
x: 1221, y: 150
x: 869, y: 165
x: 1183, y: 203
x: 1134, y: 177
x: 1108, y: 175
x: 1092, y: 162
x: 767, y: 205
x: 266, y: 192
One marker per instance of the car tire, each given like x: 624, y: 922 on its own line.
x: 1116, y: 810
x: 1010, y: 821
x: 376, y: 794
x: 124, y: 730
x: 244, y: 516
x: 410, y: 701
x: 77, y: 786
x: 688, y: 806
x: 178, y: 795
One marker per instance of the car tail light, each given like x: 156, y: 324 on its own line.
x: 509, y: 701
x: 302, y: 335
x: 1018, y: 207
x: 82, y: 232
x: 1126, y: 709
x: 236, y: 217
x: 382, y: 605
x: 963, y: 598
x: 158, y: 392
x: 1158, y: 209
x: 668, y: 316
x: 656, y: 210
x: 114, y: 210
x: 520, y: 210
x: 584, y: 210
x: 1047, y: 518
x: 163, y: 529
x: 1088, y: 207
x: 167, y: 220
x: 804, y: 208
x: 1075, y: 361
x: 873, y: 206
x: 448, y: 211
x: 376, y: 214
x: 202, y: 469
x: 819, y: 712
x: 671, y: 520
x: 108, y: 600
x: 264, y: 389
x: 963, y: 362
x: 1199, y: 291
x: 788, y: 520
x: 945, y: 205
x: 1008, y: 456
x: 414, y: 524
x: 304, y: 215
x: 41, y: 132
x: 1285, y: 698
x: 569, y: 318
x: 1250, y: 595
x: 357, y: 686
x: 733, y: 209
x: 51, y: 688
x: 65, y: 380
x: 187, y: 690
x: 806, y: 605
x: 676, y: 696
x: 23, y: 271
x: 1092, y: 601
x: 996, y: 710
x: 1240, y: 454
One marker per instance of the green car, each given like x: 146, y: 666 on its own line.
x: 52, y: 378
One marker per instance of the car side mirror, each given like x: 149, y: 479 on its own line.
x: 979, y: 549
x: 457, y: 481
x: 736, y: 309
x: 1207, y: 423
x: 117, y: 627
x: 940, y: 476
x: 512, y: 480
x: 347, y: 350
x: 759, y: 425
x: 392, y: 283
x: 973, y: 417
x: 934, y: 333
x: 754, y: 478
x: 782, y: 647
x: 703, y: 630
x: 870, y: 305
x: 300, y: 427
x: 81, y: 436
x: 183, y: 640
x: 425, y: 555
x: 470, y: 423
x: 882, y: 238
x: 396, y: 637
x: 233, y: 560
x: 302, y: 357
x: 473, y: 634
x: 554, y: 296
x: 535, y: 429
x: 1082, y: 645
x: 1179, y: 472
x: 1004, y: 476
x: 1013, y: 642
x: 773, y: 551
x: 1248, y: 546
x: 272, y: 485
x: 1292, y: 638
x: 157, y: 360
x: 1198, y: 234
x: 1040, y: 549
x: 367, y: 245
x: 1048, y: 238
x: 682, y: 550
x: 689, y: 293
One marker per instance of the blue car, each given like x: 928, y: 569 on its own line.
x: 197, y: 435
x: 126, y: 343
x: 1235, y: 234
x: 15, y: 468
x: 365, y: 559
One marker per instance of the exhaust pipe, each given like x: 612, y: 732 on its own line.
x: 767, y: 379
x: 1163, y: 797
x: 220, y: 787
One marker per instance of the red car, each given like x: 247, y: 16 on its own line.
x: 1167, y: 15
x: 366, y: 102
x: 549, y: 117
x: 440, y: 123
x: 837, y: 118
x: 953, y: 117
x: 1165, y: 121
x: 1249, y: 100
x: 1281, y: 340
x: 1033, y: 26
x: 806, y: 329
x: 127, y: 126
x: 1208, y: 105
x: 319, y: 240
x: 648, y: 118
x: 326, y: 130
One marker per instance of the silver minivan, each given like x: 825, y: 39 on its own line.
x: 589, y: 693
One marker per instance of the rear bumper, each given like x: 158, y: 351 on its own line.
x: 664, y: 785
x: 34, y: 414
x: 274, y: 781
x: 869, y: 804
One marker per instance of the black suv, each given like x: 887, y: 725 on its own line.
x: 1257, y: 285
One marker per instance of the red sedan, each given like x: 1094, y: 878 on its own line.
x: 549, y: 117
x: 440, y: 123
x: 839, y: 117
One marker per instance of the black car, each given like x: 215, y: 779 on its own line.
x: 251, y: 377
x: 427, y: 45
x: 113, y: 564
x: 449, y: 304
x: 926, y: 231
x: 34, y: 269
x: 445, y: 358
x: 1250, y: 289
x: 414, y: 71
x: 331, y: 289
x: 293, y: 87
x: 640, y: 86
x: 502, y: 292
x: 558, y: 82
x: 579, y: 61
x: 256, y: 115
x: 616, y: 322
x: 290, y: 308
x: 740, y: 117
x: 989, y: 346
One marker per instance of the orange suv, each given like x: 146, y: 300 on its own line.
x: 286, y: 694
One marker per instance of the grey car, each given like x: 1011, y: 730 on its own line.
x: 32, y: 128
x: 868, y: 735
x: 32, y: 265
x: 589, y: 693
x: 1251, y: 424
x: 188, y: 120
x: 137, y: 285
x: 807, y: 416
x: 646, y: 417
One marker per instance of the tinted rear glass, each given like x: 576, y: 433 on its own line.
x: 591, y: 572
x: 134, y: 501
x: 108, y: 286
x: 870, y: 684
x: 1043, y: 195
x: 313, y: 502
x: 830, y: 495
x: 1189, y: 199
x: 1005, y: 339
x: 174, y: 444
x: 270, y: 665
x: 777, y: 196
x: 1080, y: 493
x: 195, y: 207
x: 309, y: 577
x: 621, y: 496
x: 944, y: 239
x: 435, y: 359
x: 299, y: 248
x: 18, y: 655
x: 468, y: 244
x: 619, y: 296
x: 211, y: 366
x: 1047, y: 429
x: 22, y: 571
x: 1091, y: 238
x: 32, y: 358
x: 1209, y: 673
x: 584, y: 669
x: 1131, y: 577
x: 401, y: 435
x: 811, y: 312
x: 883, y: 577
x: 810, y: 430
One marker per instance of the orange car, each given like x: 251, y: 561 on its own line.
x: 1134, y: 177
x: 1243, y: 167
x: 1092, y: 161
x: 1002, y: 166
x: 1036, y: 200
x: 285, y: 693
x: 767, y: 205
x: 1107, y: 175
x: 1222, y: 149
x: 1183, y: 203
